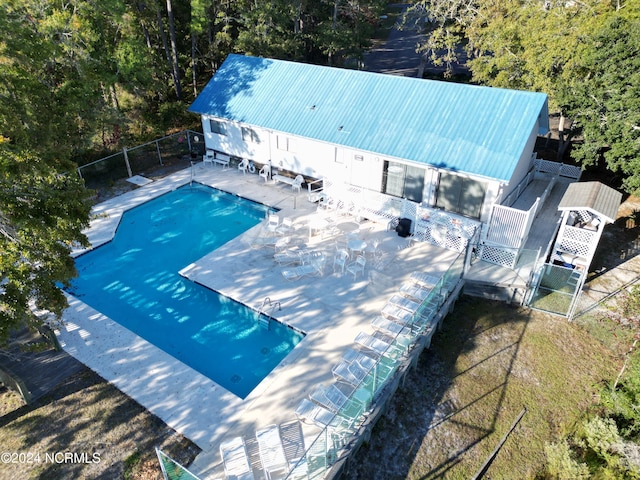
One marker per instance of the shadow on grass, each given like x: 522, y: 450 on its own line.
x: 421, y: 432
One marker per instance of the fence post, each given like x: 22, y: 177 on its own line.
x: 126, y: 161
x: 158, y: 150
x: 79, y: 172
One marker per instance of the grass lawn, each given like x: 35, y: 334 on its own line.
x: 85, y: 415
x: 488, y: 362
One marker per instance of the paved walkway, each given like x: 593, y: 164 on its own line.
x: 397, y: 56
x: 331, y: 310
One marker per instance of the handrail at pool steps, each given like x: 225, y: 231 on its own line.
x: 262, y: 316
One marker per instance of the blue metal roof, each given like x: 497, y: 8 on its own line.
x: 473, y: 129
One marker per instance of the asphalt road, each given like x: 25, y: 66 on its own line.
x: 398, y: 54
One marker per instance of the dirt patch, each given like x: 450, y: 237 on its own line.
x: 85, y: 429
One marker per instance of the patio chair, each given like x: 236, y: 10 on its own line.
x: 404, y: 302
x: 389, y: 327
x: 281, y: 244
x: 340, y: 260
x: 267, y: 241
x: 415, y: 291
x: 357, y: 266
x: 235, y: 459
x: 271, y: 450
x: 288, y: 257
x: 425, y: 280
x: 297, y: 183
x: 310, y: 412
x: 273, y: 222
x: 378, y: 346
x: 313, y: 269
x: 265, y: 172
x: 243, y: 166
x: 397, y: 314
x: 350, y: 372
x: 337, y: 401
x: 285, y: 227
x: 294, y: 448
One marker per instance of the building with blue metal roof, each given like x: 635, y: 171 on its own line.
x: 457, y: 147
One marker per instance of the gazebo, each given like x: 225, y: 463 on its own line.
x: 586, y: 208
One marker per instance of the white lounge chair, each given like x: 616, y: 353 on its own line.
x: 350, y: 372
x: 235, y: 459
x: 372, y: 343
x: 272, y: 453
x: 288, y: 257
x: 310, y: 412
x: 389, y: 327
x: 404, y: 302
x: 415, y: 291
x: 425, y: 280
x: 313, y: 269
x: 397, y: 314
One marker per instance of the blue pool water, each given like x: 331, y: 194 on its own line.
x: 134, y: 280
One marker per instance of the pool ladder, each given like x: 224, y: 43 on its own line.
x: 267, y: 303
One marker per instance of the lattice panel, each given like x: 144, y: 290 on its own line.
x: 579, y: 235
x: 575, y: 248
x: 440, y: 236
x: 499, y: 256
x: 409, y: 209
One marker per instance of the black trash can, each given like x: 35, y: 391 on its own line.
x: 404, y: 227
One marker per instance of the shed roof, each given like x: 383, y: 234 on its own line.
x: 468, y: 128
x: 593, y: 196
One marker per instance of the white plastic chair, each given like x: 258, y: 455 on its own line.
x: 285, y: 227
x: 243, y: 166
x: 265, y: 172
x: 357, y: 266
x: 273, y: 222
x: 297, y: 183
x: 340, y: 260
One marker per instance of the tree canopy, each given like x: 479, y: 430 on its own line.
x: 42, y: 214
x: 82, y: 77
x: 584, y: 55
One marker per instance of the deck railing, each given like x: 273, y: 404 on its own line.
x: 364, y: 406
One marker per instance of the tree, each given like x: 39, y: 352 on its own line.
x: 584, y: 55
x: 602, y: 95
x: 42, y: 215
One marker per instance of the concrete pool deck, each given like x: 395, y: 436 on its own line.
x: 330, y: 310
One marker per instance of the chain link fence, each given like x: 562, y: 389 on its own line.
x: 158, y: 157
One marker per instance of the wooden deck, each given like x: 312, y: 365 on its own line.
x: 541, y: 235
x: 42, y: 371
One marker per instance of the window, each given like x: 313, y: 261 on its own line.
x: 216, y: 126
x: 250, y: 135
x: 402, y: 180
x: 461, y: 195
x: 285, y: 143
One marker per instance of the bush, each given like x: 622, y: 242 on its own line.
x: 560, y: 462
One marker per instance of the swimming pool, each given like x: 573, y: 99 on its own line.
x: 134, y: 280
